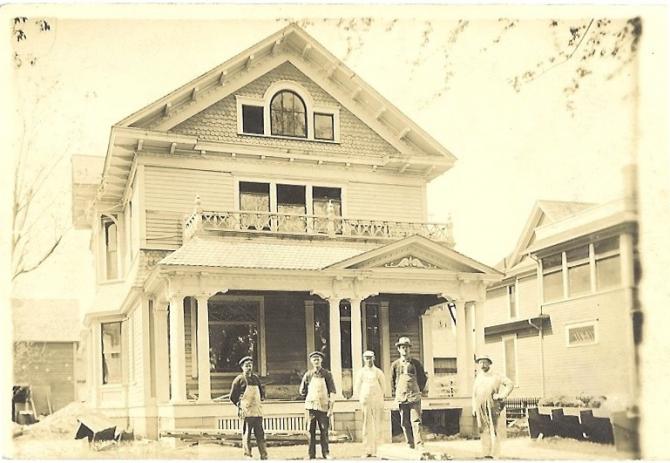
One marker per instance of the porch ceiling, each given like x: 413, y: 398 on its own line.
x: 299, y: 255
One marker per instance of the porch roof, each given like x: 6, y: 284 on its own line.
x: 296, y: 255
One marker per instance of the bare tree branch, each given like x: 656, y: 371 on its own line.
x: 49, y: 252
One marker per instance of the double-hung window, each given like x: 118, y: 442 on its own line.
x: 111, y: 352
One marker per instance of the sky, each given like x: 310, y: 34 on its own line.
x: 513, y: 148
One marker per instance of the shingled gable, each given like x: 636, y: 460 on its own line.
x: 293, y: 45
x: 417, y: 252
x: 543, y: 212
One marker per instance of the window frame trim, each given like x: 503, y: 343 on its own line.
x: 580, y: 324
x: 311, y: 108
x: 516, y: 357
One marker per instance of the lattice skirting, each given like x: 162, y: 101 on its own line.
x: 283, y: 423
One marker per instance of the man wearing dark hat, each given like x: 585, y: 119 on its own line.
x: 318, y: 388
x: 408, y: 380
x: 488, y: 392
x: 247, y: 393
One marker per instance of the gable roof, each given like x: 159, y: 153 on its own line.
x: 293, y: 44
x: 46, y: 320
x: 405, y: 247
x: 544, y: 212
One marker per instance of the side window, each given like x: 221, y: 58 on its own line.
x: 111, y: 352
x: 324, y: 126
x: 509, y: 345
x: 110, y: 236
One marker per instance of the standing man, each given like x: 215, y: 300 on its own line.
x: 318, y: 388
x: 408, y: 379
x: 488, y: 393
x: 247, y: 393
x: 369, y: 386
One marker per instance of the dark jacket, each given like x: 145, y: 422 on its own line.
x: 415, y: 369
x: 240, y: 385
x: 325, y: 374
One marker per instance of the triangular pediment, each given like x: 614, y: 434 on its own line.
x: 293, y: 45
x: 415, y: 253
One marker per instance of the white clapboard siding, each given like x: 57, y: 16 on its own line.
x: 388, y: 202
x: 170, y: 195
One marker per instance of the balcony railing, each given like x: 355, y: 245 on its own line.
x: 312, y: 225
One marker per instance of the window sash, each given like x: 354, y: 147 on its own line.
x: 329, y: 129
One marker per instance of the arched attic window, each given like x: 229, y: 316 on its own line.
x: 288, y: 115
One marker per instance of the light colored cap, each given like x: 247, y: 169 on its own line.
x: 368, y: 353
x: 483, y: 357
x: 403, y: 341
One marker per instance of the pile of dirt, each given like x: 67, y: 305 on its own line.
x: 62, y: 422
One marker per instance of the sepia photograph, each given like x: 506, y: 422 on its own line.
x: 351, y: 232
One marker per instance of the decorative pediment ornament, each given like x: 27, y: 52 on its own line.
x: 409, y: 262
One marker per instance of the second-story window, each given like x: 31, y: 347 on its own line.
x: 288, y: 115
x: 579, y: 279
x: 608, y: 263
x: 321, y: 196
x: 511, y: 297
x: 291, y: 201
x: 111, y: 249
x: 254, y: 196
x: 552, y: 277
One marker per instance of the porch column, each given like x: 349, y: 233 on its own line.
x: 204, y: 381
x: 386, y: 346
x: 356, y: 337
x: 335, y: 342
x: 161, y: 358
x: 463, y: 364
x: 177, y: 349
x: 427, y: 348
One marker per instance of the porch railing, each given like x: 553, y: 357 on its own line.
x: 302, y: 224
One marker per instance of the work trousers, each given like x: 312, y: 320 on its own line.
x: 254, y: 424
x: 372, y: 427
x: 410, y: 420
x: 491, y: 433
x: 317, y: 417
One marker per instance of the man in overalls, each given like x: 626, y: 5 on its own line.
x: 247, y: 393
x: 408, y: 379
x: 369, y: 387
x: 318, y: 388
x: 488, y: 394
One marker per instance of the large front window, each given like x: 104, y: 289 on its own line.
x: 288, y: 116
x: 111, y: 352
x: 233, y: 334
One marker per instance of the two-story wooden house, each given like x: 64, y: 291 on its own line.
x: 561, y: 321
x: 272, y: 206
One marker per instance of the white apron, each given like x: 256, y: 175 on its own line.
x: 317, y: 394
x: 250, y: 404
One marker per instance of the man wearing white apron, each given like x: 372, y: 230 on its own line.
x: 247, y: 393
x: 369, y: 386
x: 408, y: 380
x: 488, y: 392
x: 318, y: 388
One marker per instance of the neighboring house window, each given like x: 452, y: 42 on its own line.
x: 288, y: 115
x: 111, y: 352
x: 445, y: 365
x: 552, y: 277
x: 579, y: 280
x: 252, y: 119
x: 511, y: 297
x: 509, y: 346
x: 233, y: 334
x: 324, y: 126
x: 591, y: 267
x: 110, y: 232
x: 581, y: 334
x: 608, y: 263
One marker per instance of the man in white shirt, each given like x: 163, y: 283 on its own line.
x: 488, y: 393
x: 369, y: 386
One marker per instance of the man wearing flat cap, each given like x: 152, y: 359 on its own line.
x: 369, y: 388
x: 318, y: 388
x: 247, y: 393
x: 488, y: 393
x: 408, y: 380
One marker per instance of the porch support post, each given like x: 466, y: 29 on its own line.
x: 309, y: 325
x: 427, y: 349
x: 204, y: 381
x: 335, y: 342
x: 161, y: 359
x: 177, y: 349
x: 462, y: 362
x: 356, y: 337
